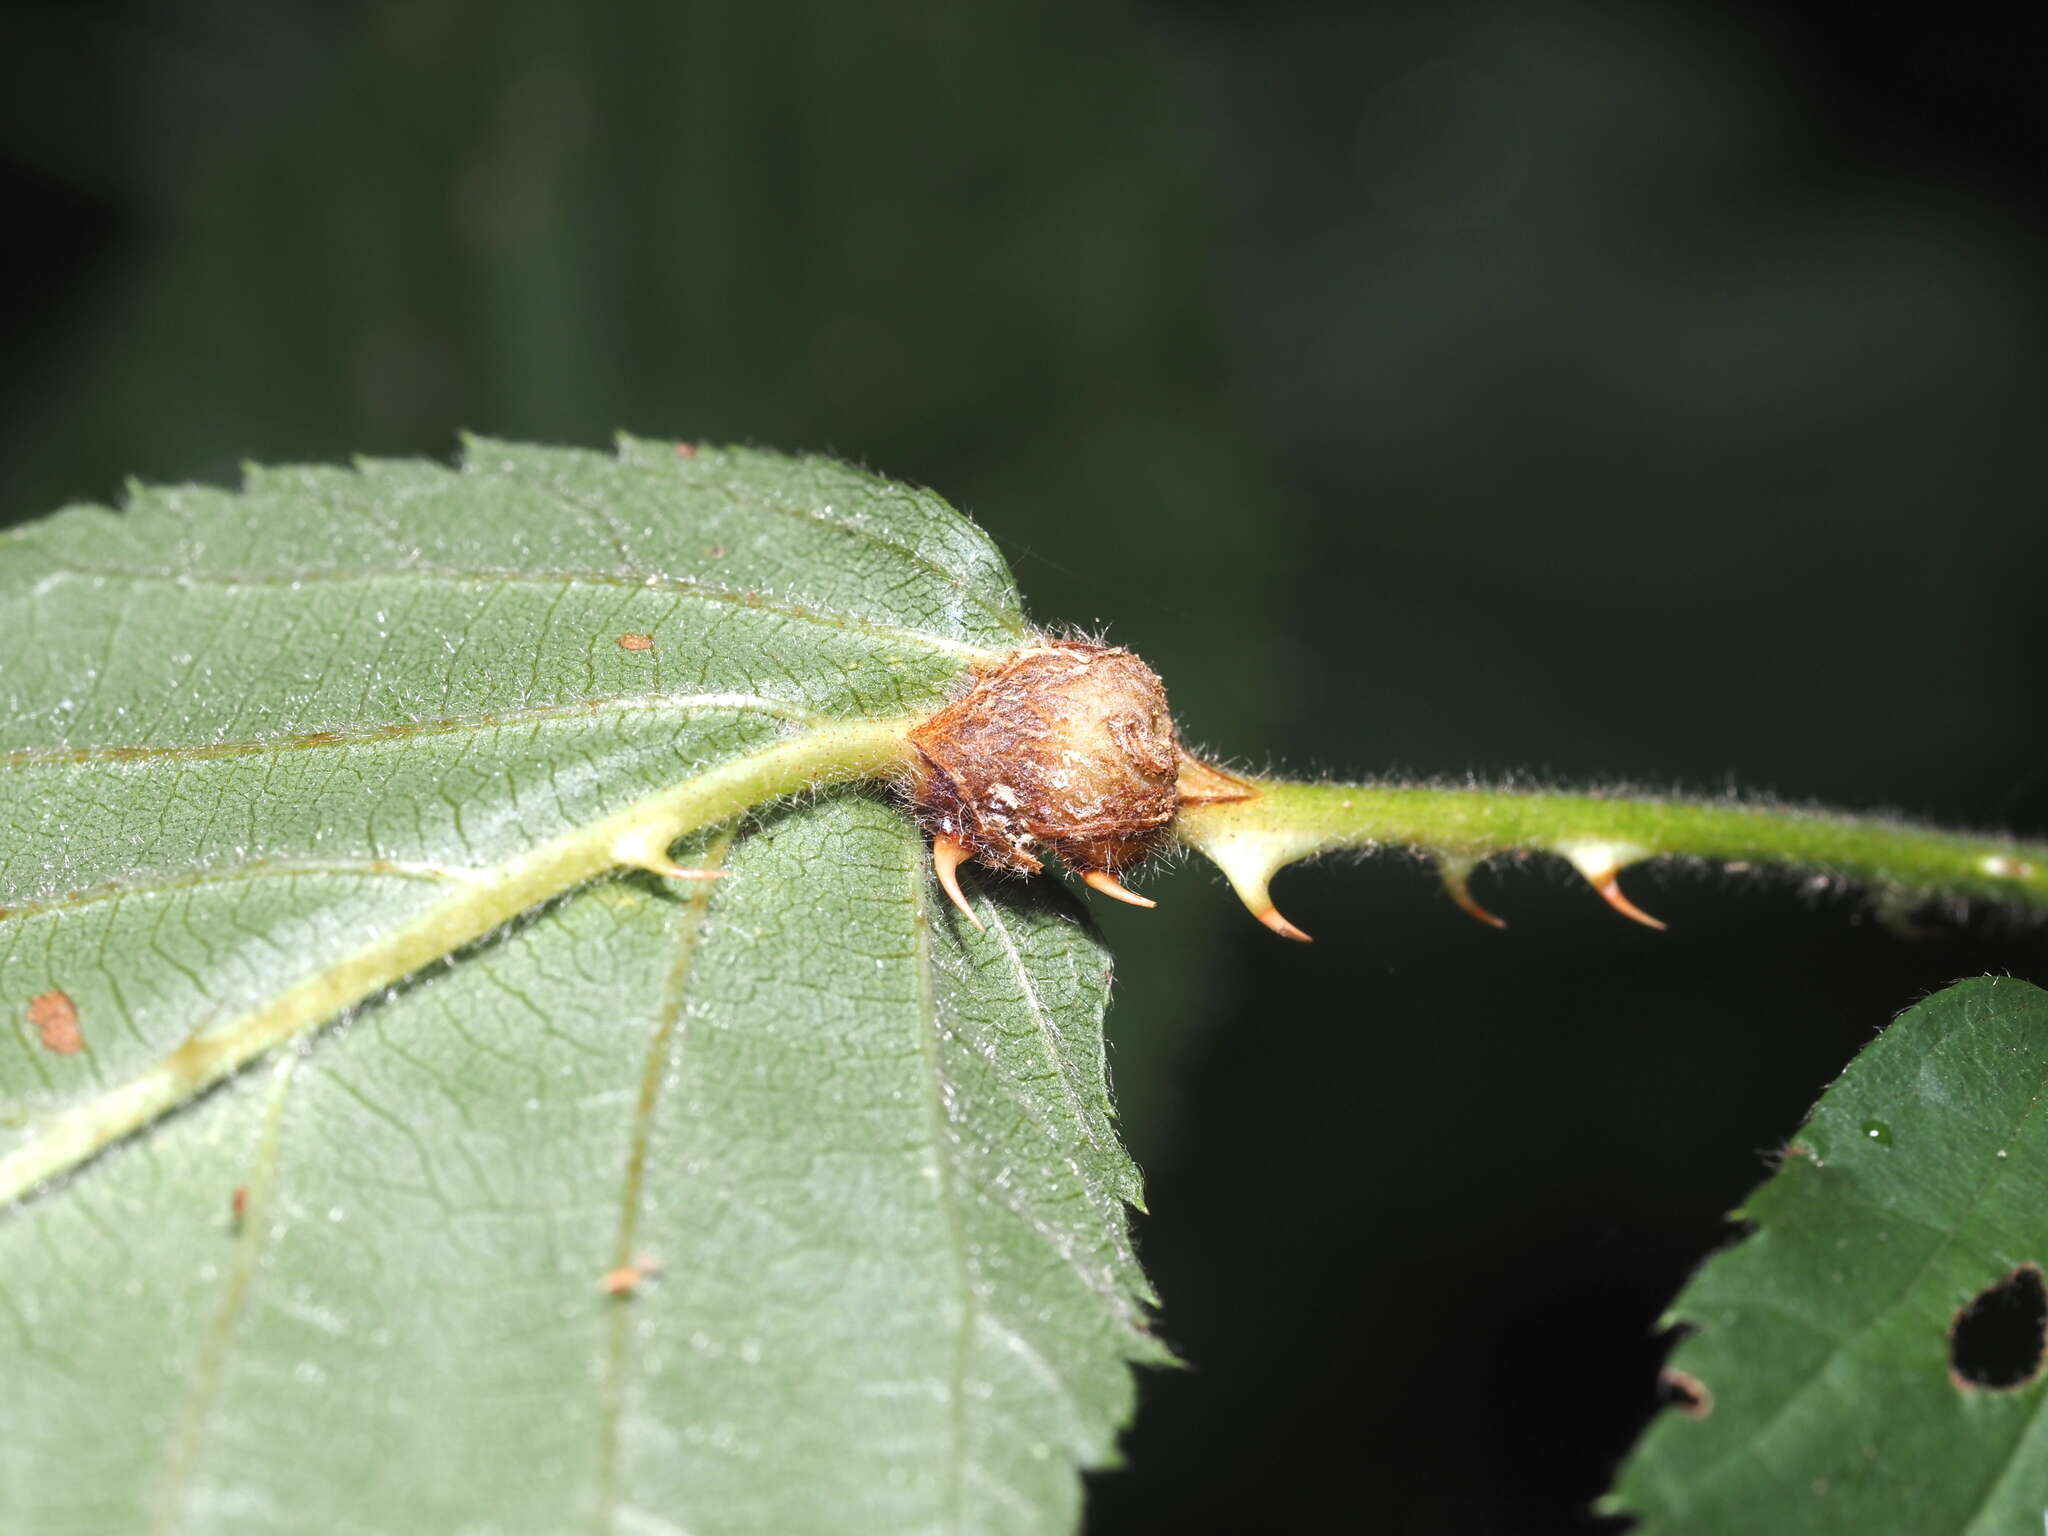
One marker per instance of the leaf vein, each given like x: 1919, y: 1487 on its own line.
x: 489, y: 578
x: 663, y: 1053
x: 805, y: 512
x: 186, y: 1441
x: 943, y: 1174
x: 571, y: 712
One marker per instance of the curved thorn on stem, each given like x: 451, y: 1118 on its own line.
x: 1102, y: 880
x: 1454, y: 873
x: 1610, y: 892
x: 948, y: 853
x: 1248, y: 863
x: 1270, y: 916
x: 1601, y: 864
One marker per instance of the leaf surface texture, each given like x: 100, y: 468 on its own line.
x: 866, y: 1152
x: 1823, y: 1338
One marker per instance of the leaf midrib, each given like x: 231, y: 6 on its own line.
x: 833, y: 752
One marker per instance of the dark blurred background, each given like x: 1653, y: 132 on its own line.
x: 1646, y: 392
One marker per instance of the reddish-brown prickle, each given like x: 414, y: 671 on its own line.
x: 1062, y: 748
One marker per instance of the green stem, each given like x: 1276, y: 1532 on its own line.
x: 1281, y: 822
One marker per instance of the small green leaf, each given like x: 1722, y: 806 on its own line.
x: 1831, y: 1390
x: 372, y: 742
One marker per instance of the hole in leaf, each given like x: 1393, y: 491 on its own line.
x: 1996, y: 1342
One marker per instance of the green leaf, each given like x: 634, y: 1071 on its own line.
x: 1823, y: 1340
x: 370, y: 743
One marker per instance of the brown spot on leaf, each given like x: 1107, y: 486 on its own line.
x: 715, y: 552
x: 1686, y: 1392
x: 238, y: 1203
x: 628, y: 1278
x: 636, y: 642
x: 1999, y: 1336
x: 55, y: 1018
